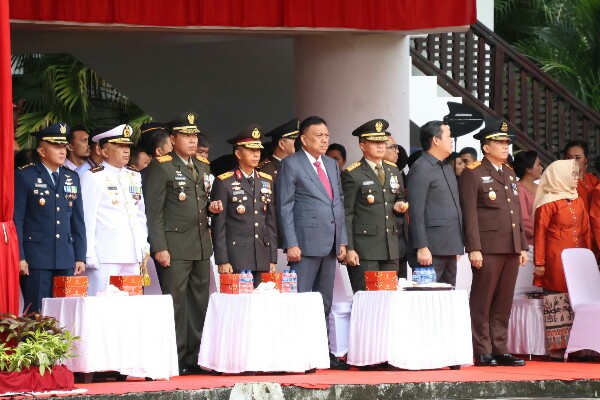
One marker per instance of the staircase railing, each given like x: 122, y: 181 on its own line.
x: 494, y: 78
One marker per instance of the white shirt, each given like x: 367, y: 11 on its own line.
x: 114, y: 214
x: 313, y: 160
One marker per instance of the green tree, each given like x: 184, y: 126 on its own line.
x: 57, y: 87
x: 561, y: 36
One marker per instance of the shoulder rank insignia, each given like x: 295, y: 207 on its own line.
x: 165, y: 158
x: 266, y: 176
x: 390, y: 163
x: 67, y: 168
x: 351, y: 167
x: 225, y: 175
x: 97, y: 168
x: 129, y: 167
x: 507, y: 166
x: 474, y: 165
x: 264, y: 162
x: 22, y: 167
x: 202, y: 160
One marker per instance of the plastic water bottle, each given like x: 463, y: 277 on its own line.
x: 241, y: 282
x: 285, y: 281
x: 432, y: 275
x: 417, y: 275
x: 293, y: 281
x: 249, y: 282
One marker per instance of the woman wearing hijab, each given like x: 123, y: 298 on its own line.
x: 561, y: 221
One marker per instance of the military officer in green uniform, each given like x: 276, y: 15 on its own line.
x: 372, y: 198
x: 177, y: 206
x: 244, y: 234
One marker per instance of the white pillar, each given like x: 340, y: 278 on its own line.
x: 349, y: 79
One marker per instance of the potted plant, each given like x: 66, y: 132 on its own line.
x: 33, y: 349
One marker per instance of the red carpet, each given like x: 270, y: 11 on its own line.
x: 533, y: 371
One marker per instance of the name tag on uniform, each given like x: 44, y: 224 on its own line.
x: 235, y: 192
x: 41, y: 185
x: 180, y: 178
x: 112, y: 188
x: 366, y: 183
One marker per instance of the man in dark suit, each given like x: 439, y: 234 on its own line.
x: 496, y: 243
x: 435, y: 231
x: 371, y: 198
x: 310, y: 214
x: 244, y: 234
x: 177, y: 190
x: 48, y: 218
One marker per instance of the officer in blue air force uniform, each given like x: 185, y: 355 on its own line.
x: 48, y: 218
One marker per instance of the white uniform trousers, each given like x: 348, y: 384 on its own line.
x: 98, y: 278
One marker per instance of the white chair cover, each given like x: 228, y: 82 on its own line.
x: 583, y: 282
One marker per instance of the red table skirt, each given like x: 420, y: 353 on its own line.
x: 30, y: 380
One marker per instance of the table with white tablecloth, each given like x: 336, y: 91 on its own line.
x: 264, y: 332
x: 411, y: 330
x: 526, y: 329
x: 134, y: 335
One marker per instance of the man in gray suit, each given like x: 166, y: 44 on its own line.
x: 310, y: 215
x: 435, y: 232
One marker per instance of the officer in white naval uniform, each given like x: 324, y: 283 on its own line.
x: 114, y: 212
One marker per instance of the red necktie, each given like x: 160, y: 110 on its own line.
x: 323, y: 178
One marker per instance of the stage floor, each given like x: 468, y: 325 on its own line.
x: 323, y: 379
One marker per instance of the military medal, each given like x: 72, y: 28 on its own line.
x: 115, y: 201
x: 182, y: 196
x: 370, y: 199
x: 511, y: 178
x: 240, y: 209
x: 492, y: 195
x: 42, y: 201
x: 70, y: 204
x: 394, y: 184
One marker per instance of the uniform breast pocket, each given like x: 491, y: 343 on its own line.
x: 490, y: 196
x: 370, y: 194
x: 33, y: 237
x: 365, y: 229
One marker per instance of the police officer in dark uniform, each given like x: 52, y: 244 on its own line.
x: 496, y: 243
x: 177, y: 190
x: 282, y: 141
x: 372, y: 196
x: 244, y: 234
x: 48, y: 218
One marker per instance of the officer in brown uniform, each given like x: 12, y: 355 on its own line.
x: 496, y: 243
x: 244, y: 234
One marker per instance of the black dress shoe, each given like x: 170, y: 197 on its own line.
x: 183, y: 370
x: 485, y: 360
x: 508, y: 360
x: 336, y: 363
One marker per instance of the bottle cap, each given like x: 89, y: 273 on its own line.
x: 286, y: 271
x: 293, y: 271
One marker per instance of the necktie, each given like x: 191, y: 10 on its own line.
x: 380, y: 174
x: 323, y: 178
x: 55, y: 179
x: 251, y: 182
x: 193, y: 170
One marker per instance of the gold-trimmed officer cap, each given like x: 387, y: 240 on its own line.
x: 185, y: 123
x: 374, y: 130
x: 497, y: 130
x: 55, y: 133
x: 150, y: 128
x: 289, y: 130
x: 118, y: 135
x: 249, y: 138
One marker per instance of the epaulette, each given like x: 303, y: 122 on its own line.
x: 266, y: 176
x: 351, y: 167
x: 22, y: 167
x: 165, y: 158
x: 203, y: 160
x: 474, y: 165
x: 508, y: 166
x: 97, y: 169
x: 67, y: 168
x: 129, y: 167
x: 263, y: 163
x: 225, y: 175
x: 390, y: 163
